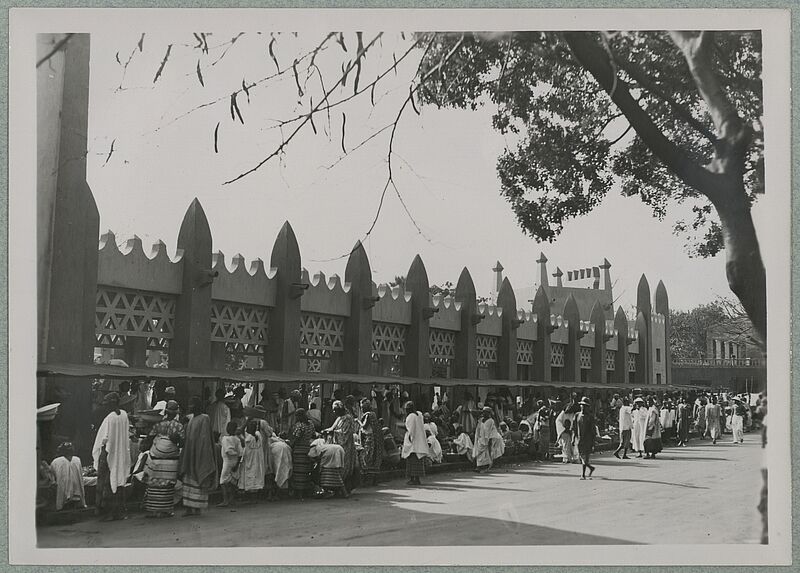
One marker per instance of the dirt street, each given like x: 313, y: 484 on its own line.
x: 698, y: 494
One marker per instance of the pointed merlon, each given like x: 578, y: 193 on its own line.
x: 194, y: 228
x: 286, y: 253
x: 358, y: 271
x: 643, y: 303
x: 662, y: 300
x: 506, y: 298
x: 621, y: 322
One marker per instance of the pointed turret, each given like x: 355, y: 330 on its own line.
x: 543, y: 279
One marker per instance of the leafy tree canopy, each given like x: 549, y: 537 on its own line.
x: 569, y: 144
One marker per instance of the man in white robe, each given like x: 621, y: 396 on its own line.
x: 69, y: 477
x: 639, y: 426
x: 112, y: 444
x: 489, y: 444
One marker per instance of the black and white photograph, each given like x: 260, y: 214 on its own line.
x: 399, y: 287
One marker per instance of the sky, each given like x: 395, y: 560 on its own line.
x: 443, y: 164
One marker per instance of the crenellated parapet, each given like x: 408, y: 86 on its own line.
x: 492, y: 322
x: 528, y: 325
x: 393, y: 304
x: 325, y: 295
x: 130, y: 268
x: 243, y: 283
x: 294, y: 319
x: 448, y: 313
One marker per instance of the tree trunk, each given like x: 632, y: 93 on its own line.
x: 721, y: 181
x: 744, y: 267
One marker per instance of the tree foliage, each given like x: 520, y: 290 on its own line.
x: 722, y: 318
x: 569, y: 145
x: 567, y: 102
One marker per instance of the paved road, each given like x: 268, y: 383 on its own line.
x: 698, y: 494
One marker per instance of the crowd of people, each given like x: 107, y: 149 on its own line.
x: 297, y: 445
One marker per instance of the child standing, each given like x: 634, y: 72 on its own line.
x: 232, y: 450
x: 565, y: 440
x: 251, y: 477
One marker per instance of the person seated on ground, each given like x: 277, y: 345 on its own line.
x: 68, y: 473
x: 330, y: 458
x: 504, y: 430
x: 392, y: 453
x: 513, y: 439
x: 431, y: 433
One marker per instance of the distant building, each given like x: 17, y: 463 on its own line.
x: 732, y: 360
x: 648, y: 356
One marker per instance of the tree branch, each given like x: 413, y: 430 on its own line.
x: 307, y: 117
x: 597, y: 62
x: 641, y: 78
x: 697, y: 48
x: 57, y: 48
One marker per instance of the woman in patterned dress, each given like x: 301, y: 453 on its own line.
x: 198, y: 466
x: 161, y: 470
x: 372, y: 441
x: 341, y: 433
x: 300, y: 440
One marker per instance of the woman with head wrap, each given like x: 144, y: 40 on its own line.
x: 341, y: 432
x: 69, y: 477
x: 300, y: 440
x: 112, y: 459
x: 372, y: 441
x: 198, y: 467
x: 161, y: 471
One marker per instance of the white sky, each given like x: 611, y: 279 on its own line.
x: 444, y: 167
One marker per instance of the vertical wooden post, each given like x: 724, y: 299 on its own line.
x: 572, y: 353
x: 507, y: 345
x: 621, y: 359
x: 598, y: 319
x: 417, y: 359
x: 643, y: 311
x: 69, y: 223
x: 358, y: 327
x: 662, y: 307
x: 466, y: 362
x: 541, y: 349
x: 283, y: 350
x: 191, y: 343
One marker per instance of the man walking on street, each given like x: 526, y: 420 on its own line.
x: 586, y: 431
x: 737, y: 421
x: 625, y: 427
